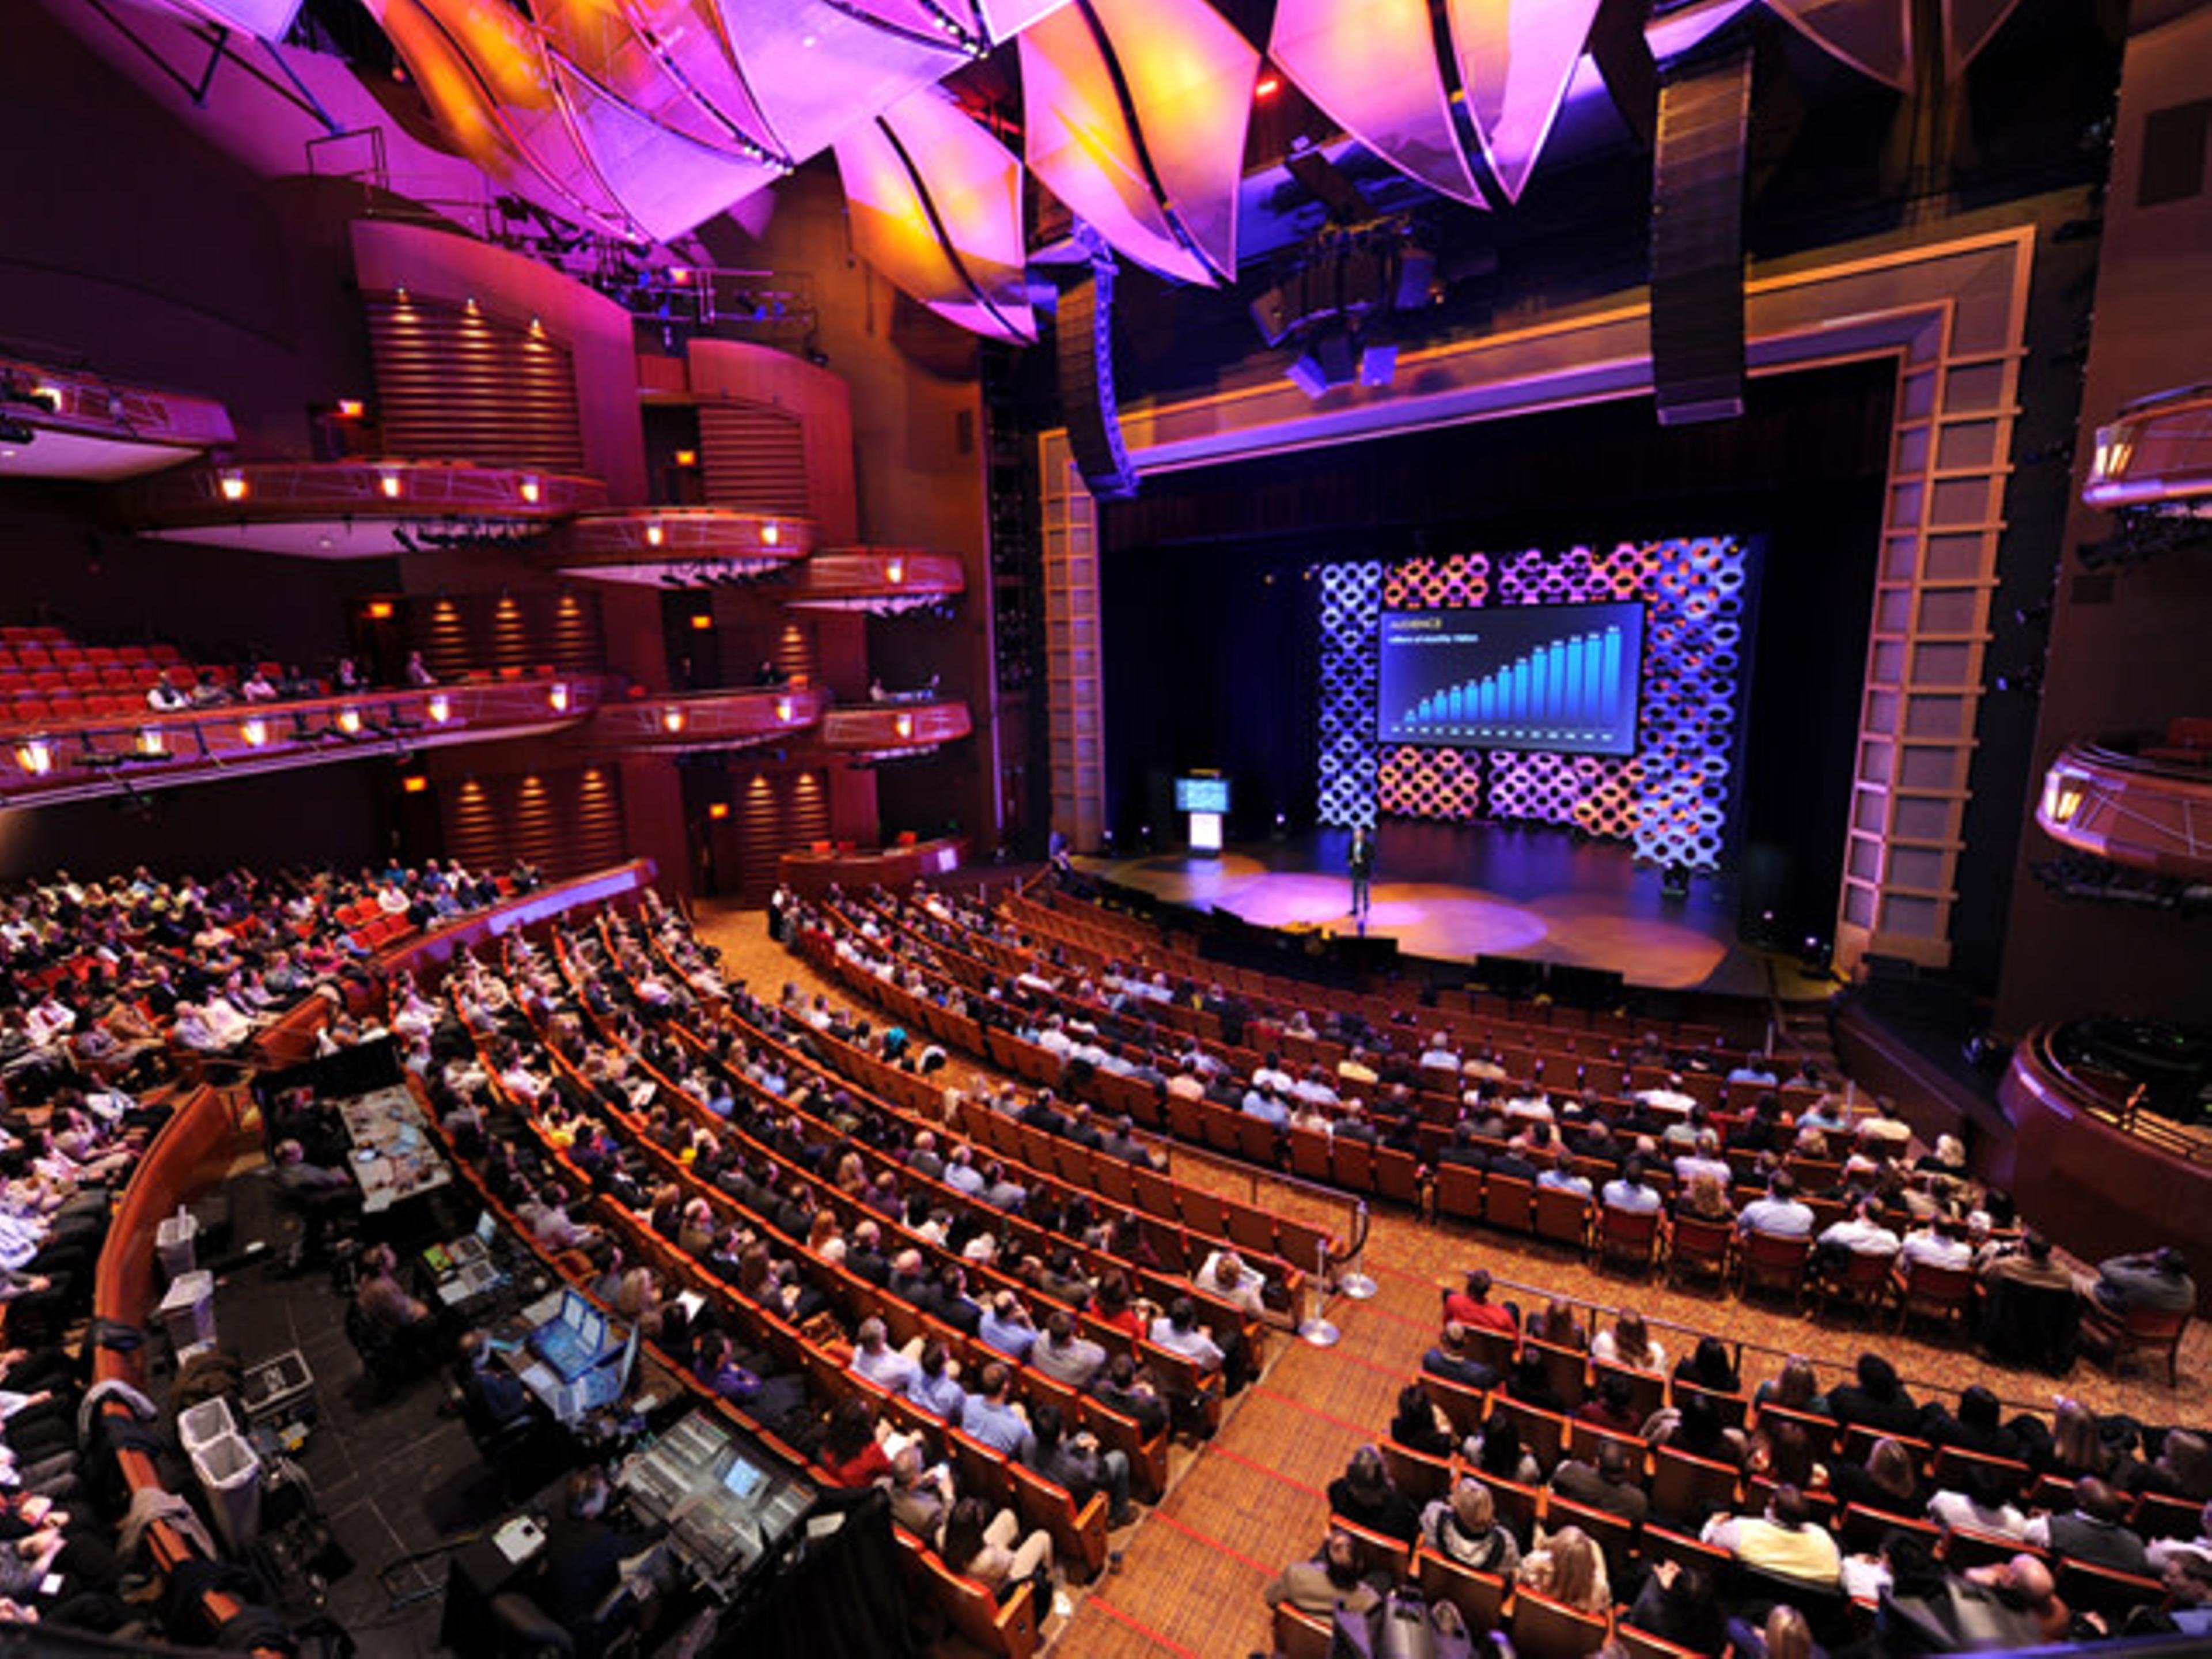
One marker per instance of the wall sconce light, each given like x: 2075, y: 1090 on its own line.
x: 771, y: 533
x: 895, y: 572
x: 153, y: 742
x: 701, y: 621
x: 413, y: 784
x: 349, y: 722
x: 783, y: 709
x: 654, y: 535
x: 672, y: 721
x: 232, y: 485
x: 351, y: 408
x: 255, y: 732
x: 380, y: 610
x: 687, y: 458
x: 718, y: 810
x: 36, y: 757
x: 531, y: 490
x: 2063, y: 791
x: 904, y: 724
x: 557, y: 698
x: 388, y: 483
x: 441, y: 709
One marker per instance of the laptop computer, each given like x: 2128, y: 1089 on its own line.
x: 475, y: 1246
x: 574, y: 1340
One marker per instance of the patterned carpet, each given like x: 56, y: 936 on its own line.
x: 1191, y: 1580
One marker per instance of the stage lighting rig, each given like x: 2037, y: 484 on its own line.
x: 1338, y: 299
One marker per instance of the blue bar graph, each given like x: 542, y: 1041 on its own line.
x: 1570, y: 691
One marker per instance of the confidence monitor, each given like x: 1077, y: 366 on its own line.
x: 1563, y: 679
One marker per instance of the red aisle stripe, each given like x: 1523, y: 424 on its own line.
x: 1365, y: 1431
x: 1212, y: 1452
x: 1215, y: 1544
x: 1095, y: 1600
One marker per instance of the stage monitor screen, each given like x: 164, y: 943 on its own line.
x: 1561, y: 678
x: 1201, y: 794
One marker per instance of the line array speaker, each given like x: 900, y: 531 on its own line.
x: 1697, y: 239
x: 1085, y: 340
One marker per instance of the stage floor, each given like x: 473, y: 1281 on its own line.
x: 1456, y: 891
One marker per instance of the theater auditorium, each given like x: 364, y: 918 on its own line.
x: 1138, y: 828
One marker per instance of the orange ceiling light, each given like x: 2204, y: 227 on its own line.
x: 1137, y: 111
x: 1372, y: 66
x: 935, y: 206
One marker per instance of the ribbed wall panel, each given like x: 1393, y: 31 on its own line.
x: 776, y: 813
x: 459, y: 383
x: 478, y: 633
x: 754, y: 458
x: 565, y: 823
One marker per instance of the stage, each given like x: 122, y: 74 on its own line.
x: 1457, y: 891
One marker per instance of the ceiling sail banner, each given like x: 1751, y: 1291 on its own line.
x: 1516, y: 58
x: 1137, y: 113
x: 935, y: 207
x: 1371, y: 65
x: 264, y: 20
x: 818, y: 67
x: 666, y: 60
x: 1967, y: 27
x: 1874, y: 37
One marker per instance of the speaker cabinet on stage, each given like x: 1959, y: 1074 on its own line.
x: 1697, y: 239
x: 1571, y: 986
x: 1509, y: 976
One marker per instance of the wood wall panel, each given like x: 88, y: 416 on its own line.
x: 754, y: 457
x: 457, y: 382
x: 565, y: 822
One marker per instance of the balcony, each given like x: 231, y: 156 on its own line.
x: 705, y: 720
x: 679, y: 546
x: 60, y: 425
x: 2157, y: 454
x: 115, y: 757
x: 2143, y: 803
x: 894, y: 731
x: 881, y: 581
x: 355, y: 509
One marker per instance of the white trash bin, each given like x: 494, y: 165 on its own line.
x: 188, y: 1310
x: 176, y: 1241
x: 198, y: 1425
x: 230, y: 1474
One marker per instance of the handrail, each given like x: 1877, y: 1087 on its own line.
x: 124, y: 1275
x: 2108, y: 1097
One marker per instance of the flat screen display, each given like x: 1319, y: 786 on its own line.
x: 1560, y: 678
x: 1201, y: 794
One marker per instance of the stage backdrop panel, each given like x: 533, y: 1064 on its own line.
x: 1669, y: 800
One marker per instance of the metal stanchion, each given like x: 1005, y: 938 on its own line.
x: 1355, y: 1283
x: 1316, y: 1329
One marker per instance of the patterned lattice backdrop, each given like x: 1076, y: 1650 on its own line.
x: 1350, y: 681
x: 1669, y: 800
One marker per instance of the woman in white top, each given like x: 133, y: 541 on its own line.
x: 1627, y: 1343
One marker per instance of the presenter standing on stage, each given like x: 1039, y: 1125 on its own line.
x: 1362, y: 861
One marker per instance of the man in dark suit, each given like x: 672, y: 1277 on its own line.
x: 583, y: 1559
x: 1361, y: 863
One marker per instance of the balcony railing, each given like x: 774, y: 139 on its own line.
x: 109, y: 755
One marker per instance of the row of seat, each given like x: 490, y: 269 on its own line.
x: 1078, y: 1531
